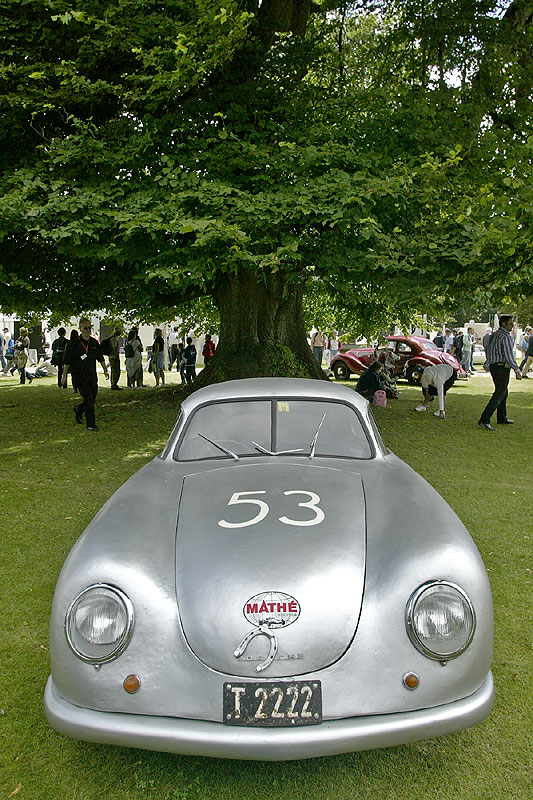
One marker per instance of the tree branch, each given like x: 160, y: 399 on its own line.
x: 486, y: 93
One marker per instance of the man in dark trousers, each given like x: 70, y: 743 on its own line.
x: 190, y: 361
x: 59, y: 346
x: 81, y: 356
x: 501, y: 361
x: 114, y: 357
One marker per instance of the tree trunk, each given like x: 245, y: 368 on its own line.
x: 262, y: 331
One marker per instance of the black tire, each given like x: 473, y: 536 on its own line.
x: 341, y: 371
x: 414, y: 375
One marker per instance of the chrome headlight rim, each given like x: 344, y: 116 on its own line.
x: 126, y: 636
x: 412, y: 633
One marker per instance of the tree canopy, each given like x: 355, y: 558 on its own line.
x: 377, y: 153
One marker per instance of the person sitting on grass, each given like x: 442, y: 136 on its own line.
x: 370, y: 381
x: 435, y: 381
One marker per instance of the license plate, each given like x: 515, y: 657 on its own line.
x: 273, y: 704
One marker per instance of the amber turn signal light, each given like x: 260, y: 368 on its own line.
x: 410, y: 680
x: 132, y: 684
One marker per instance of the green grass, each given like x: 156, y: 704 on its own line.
x: 55, y: 476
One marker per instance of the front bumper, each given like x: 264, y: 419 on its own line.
x: 198, y: 737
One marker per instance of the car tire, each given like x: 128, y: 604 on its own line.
x: 341, y: 371
x: 414, y: 375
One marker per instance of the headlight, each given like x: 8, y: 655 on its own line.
x: 440, y: 620
x: 99, y: 623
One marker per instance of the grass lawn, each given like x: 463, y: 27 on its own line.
x: 55, y: 476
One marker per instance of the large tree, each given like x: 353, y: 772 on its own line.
x: 155, y: 153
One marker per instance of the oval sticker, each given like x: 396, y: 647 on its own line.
x: 271, y: 609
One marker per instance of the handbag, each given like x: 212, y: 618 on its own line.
x: 380, y: 398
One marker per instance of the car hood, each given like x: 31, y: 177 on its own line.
x: 274, y: 547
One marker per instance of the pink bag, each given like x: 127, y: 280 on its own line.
x: 380, y: 398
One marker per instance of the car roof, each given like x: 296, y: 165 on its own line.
x: 265, y: 388
x: 401, y: 338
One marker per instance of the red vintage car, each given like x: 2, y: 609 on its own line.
x: 410, y: 354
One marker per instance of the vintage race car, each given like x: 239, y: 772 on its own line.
x: 275, y: 585
x: 410, y: 356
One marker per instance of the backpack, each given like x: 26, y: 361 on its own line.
x: 105, y: 346
x: 128, y: 350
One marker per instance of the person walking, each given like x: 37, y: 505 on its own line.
x: 334, y: 345
x: 158, y: 357
x: 22, y: 349
x: 528, y: 357
x: 134, y: 368
x: 500, y: 360
x: 74, y: 340
x: 80, y: 357
x: 318, y: 342
x: 9, y: 351
x: 209, y: 348
x: 448, y: 341
x: 485, y: 341
x: 468, y: 348
x: 435, y: 382
x: 457, y: 346
x: 58, y: 353
x: 173, y: 340
x: 523, y: 346
x: 42, y: 351
x: 439, y: 340
x: 2, y: 346
x: 115, y: 340
x: 189, y: 355
x: 181, y: 362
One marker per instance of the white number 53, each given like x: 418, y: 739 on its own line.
x: 239, y: 498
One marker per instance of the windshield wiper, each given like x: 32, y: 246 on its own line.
x: 278, y: 453
x: 220, y: 447
x: 312, y: 446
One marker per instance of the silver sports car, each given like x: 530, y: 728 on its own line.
x: 275, y: 585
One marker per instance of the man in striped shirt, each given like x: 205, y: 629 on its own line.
x: 500, y: 360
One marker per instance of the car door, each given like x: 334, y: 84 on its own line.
x: 405, y: 352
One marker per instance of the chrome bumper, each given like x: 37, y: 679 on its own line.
x: 197, y: 737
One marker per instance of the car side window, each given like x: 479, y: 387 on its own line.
x: 404, y: 348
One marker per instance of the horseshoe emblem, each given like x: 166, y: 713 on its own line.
x: 263, y: 631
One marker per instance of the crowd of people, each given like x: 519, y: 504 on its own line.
x: 78, y: 355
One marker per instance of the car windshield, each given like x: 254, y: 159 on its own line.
x: 429, y: 346
x: 306, y: 428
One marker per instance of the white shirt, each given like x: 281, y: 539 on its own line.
x: 468, y: 341
x: 436, y: 376
x: 172, y: 338
x: 448, y: 343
